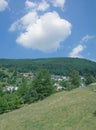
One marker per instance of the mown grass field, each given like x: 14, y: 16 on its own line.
x: 62, y: 111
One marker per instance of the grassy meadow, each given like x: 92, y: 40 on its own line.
x: 62, y: 111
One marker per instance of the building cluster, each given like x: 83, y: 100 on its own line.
x: 56, y: 78
x: 59, y: 77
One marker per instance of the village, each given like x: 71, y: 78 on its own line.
x: 56, y: 79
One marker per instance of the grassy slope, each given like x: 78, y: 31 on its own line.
x: 62, y: 111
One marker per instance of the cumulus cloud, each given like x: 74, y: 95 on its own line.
x: 77, y: 50
x: 46, y: 33
x: 3, y: 5
x: 43, y: 32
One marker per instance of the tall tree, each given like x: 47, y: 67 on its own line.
x: 42, y: 84
x: 75, y: 78
x: 23, y: 90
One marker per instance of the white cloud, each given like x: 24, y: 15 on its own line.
x: 87, y: 38
x: 3, y: 5
x: 30, y: 5
x: 43, y: 32
x: 77, y: 50
x: 58, y: 3
x: 80, y: 47
x: 43, y: 6
x: 46, y: 33
x: 24, y: 22
x: 40, y: 6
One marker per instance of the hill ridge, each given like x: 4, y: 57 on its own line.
x: 61, y: 66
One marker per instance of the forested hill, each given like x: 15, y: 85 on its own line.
x: 61, y: 66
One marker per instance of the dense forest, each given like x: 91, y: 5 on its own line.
x: 60, y: 66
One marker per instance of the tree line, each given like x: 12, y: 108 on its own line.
x: 59, y: 66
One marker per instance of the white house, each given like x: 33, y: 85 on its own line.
x: 10, y: 88
x: 59, y: 87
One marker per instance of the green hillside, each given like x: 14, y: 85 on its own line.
x: 61, y: 66
x: 72, y: 110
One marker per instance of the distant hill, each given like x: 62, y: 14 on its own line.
x: 72, y: 110
x: 61, y: 66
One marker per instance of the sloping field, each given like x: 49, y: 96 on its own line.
x: 62, y: 111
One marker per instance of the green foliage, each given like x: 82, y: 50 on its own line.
x: 75, y: 79
x: 62, y: 66
x: 2, y: 75
x: 90, y: 79
x: 63, y: 83
x: 42, y: 84
x: 40, y: 88
x: 10, y: 102
x: 1, y: 91
x: 23, y: 90
x: 67, y: 85
x: 15, y: 73
x: 3, y: 104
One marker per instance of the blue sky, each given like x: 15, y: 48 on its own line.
x: 48, y: 28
